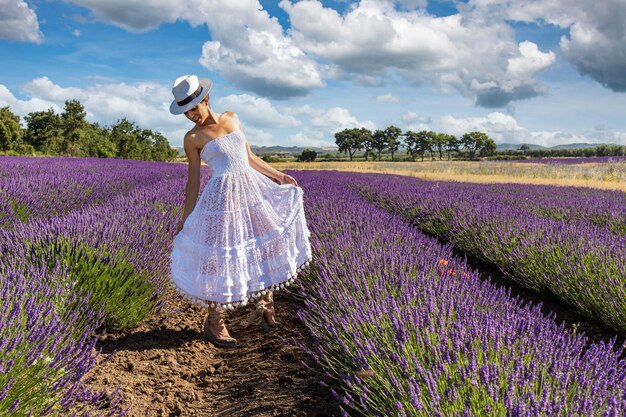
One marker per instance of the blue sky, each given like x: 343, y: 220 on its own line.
x: 524, y: 71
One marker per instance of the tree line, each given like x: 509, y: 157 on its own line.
x: 524, y: 151
x: 416, y: 144
x: 70, y: 134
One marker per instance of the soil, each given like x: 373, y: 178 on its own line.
x: 166, y: 368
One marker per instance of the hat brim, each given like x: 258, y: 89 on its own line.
x: 206, y: 84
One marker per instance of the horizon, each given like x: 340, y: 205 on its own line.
x: 549, y: 73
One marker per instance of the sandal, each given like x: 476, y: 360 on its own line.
x: 223, y: 342
x: 257, y: 315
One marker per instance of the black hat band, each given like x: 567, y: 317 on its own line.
x: 191, y: 97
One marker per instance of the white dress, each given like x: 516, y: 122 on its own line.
x: 245, y: 235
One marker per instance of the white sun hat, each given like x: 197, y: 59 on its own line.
x: 188, y: 91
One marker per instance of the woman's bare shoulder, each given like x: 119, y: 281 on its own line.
x: 230, y: 120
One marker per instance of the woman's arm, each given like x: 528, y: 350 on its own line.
x: 266, y: 169
x: 193, y: 178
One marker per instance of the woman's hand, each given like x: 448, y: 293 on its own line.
x: 179, y: 226
x: 288, y: 179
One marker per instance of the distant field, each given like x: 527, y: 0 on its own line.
x: 609, y: 175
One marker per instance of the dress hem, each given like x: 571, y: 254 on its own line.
x: 231, y: 305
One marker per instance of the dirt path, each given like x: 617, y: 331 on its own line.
x: 168, y: 369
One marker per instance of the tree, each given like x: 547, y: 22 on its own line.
x: 10, y: 130
x: 411, y: 143
x: 451, y: 144
x: 123, y: 134
x: 308, y: 155
x: 424, y: 142
x: 439, y: 143
x: 349, y: 141
x: 366, y: 141
x: 74, y: 128
x: 379, y: 141
x: 161, y: 150
x: 487, y: 147
x: 392, y: 134
x: 43, y: 131
x: 471, y: 142
x: 474, y: 142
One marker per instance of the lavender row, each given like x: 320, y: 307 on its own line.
x: 118, y: 250
x: 46, y: 187
x: 580, y: 263
x: 404, y: 328
x: 45, y: 349
x: 109, y: 255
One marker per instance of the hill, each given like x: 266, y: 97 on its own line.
x: 515, y: 146
x: 279, y: 150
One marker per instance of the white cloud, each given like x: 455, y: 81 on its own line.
x: 412, y: 117
x: 388, y: 98
x: 143, y: 103
x: 247, y: 45
x: 503, y: 128
x: 18, y: 22
x: 257, y: 111
x: 337, y: 118
x: 596, y: 43
x: 259, y: 137
x: 376, y: 40
x: 307, y: 138
x: 147, y: 104
x: 415, y: 122
x: 320, y: 125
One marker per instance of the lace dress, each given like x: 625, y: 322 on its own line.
x: 245, y: 235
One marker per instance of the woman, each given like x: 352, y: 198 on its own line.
x: 246, y: 235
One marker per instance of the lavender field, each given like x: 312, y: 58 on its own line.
x: 400, y: 325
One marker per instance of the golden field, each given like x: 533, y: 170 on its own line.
x: 596, y: 175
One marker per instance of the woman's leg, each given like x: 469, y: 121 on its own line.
x: 268, y: 314
x: 216, y: 323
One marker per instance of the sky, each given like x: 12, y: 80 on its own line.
x: 546, y: 72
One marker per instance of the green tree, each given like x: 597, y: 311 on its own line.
x: 471, y: 142
x: 366, y: 141
x: 308, y: 155
x: 124, y: 136
x: 10, y: 130
x: 161, y: 150
x: 44, y: 132
x: 74, y: 128
x: 349, y: 141
x: 411, y: 143
x: 487, y: 147
x: 392, y: 135
x: 97, y: 142
x: 439, y: 143
x: 424, y: 142
x: 478, y: 142
x: 379, y: 141
x: 451, y: 145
